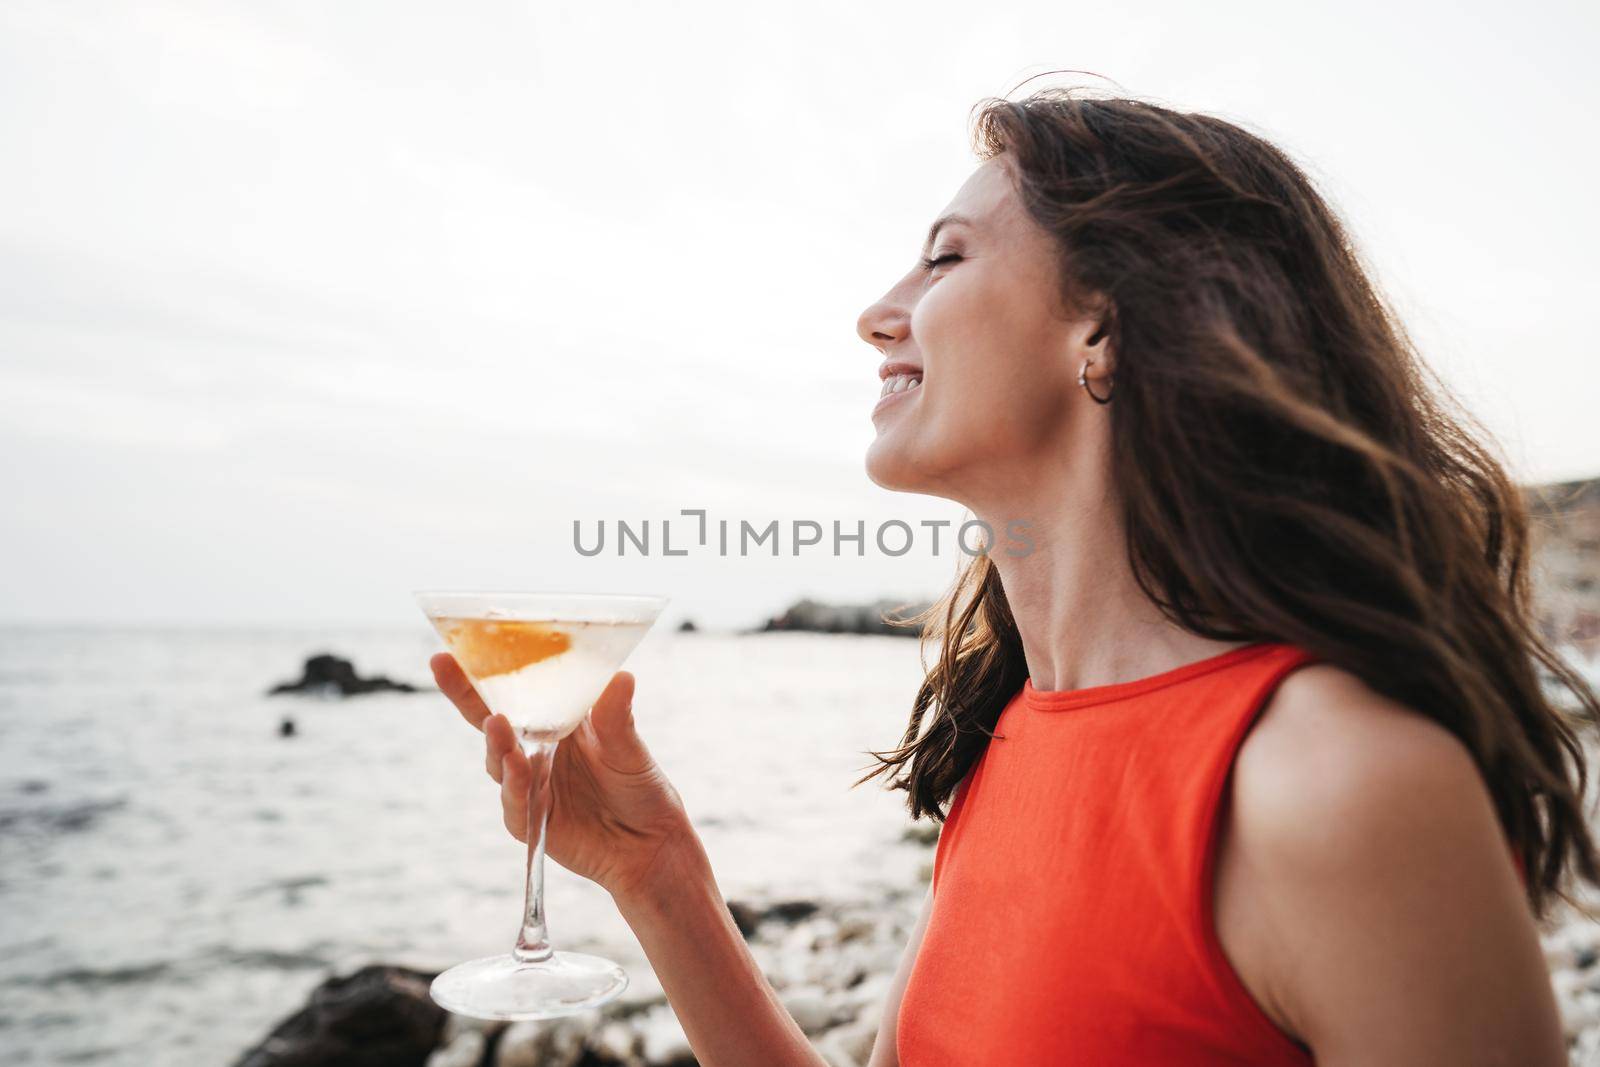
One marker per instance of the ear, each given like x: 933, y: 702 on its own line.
x: 1092, y: 339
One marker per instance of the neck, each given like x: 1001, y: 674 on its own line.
x: 1082, y: 617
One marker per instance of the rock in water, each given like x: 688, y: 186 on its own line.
x: 326, y: 675
x: 874, y: 618
x: 378, y: 1017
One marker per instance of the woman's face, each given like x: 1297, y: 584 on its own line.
x: 983, y: 334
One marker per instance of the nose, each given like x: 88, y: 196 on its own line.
x: 884, y: 323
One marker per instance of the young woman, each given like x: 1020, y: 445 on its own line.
x: 1248, y: 761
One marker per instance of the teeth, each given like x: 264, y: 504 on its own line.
x: 900, y: 383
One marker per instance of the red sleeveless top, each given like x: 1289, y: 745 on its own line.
x: 1072, y: 919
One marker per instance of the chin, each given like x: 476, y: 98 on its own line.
x: 893, y: 466
x: 887, y: 466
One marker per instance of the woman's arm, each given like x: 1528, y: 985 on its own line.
x: 884, y: 1050
x: 728, y: 1010
x: 1385, y: 889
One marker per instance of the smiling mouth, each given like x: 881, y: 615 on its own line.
x: 900, y: 383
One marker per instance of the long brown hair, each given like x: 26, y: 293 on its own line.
x: 1289, y: 469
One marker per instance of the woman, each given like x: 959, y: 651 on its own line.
x: 1248, y: 760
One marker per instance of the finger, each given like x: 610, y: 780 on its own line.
x: 454, y: 683
x: 514, y: 794
x: 612, y: 718
x: 498, y: 740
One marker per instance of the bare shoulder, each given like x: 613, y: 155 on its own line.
x: 1384, y: 920
x: 1328, y: 749
x: 1338, y: 784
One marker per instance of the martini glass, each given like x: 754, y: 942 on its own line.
x: 539, y: 659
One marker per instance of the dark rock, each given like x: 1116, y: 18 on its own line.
x: 378, y: 1017
x: 745, y: 917
x: 286, y: 728
x: 326, y: 675
x: 791, y: 911
x: 875, y: 618
x: 687, y: 626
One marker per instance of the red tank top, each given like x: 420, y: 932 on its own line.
x: 1072, y: 919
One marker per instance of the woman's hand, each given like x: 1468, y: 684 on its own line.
x: 614, y: 817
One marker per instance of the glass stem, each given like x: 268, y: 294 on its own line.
x: 533, y: 945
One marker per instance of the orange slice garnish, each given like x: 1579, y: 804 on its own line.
x: 487, y: 647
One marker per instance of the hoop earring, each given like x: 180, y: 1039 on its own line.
x: 1083, y: 380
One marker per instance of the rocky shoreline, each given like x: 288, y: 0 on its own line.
x: 829, y: 961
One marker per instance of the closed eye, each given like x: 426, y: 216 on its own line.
x: 948, y: 257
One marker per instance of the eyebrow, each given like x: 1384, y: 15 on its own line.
x: 933, y: 231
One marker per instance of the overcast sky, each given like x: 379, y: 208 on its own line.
x: 306, y: 305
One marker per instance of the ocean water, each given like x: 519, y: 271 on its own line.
x: 175, y: 877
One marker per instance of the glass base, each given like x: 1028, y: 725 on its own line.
x: 502, y: 987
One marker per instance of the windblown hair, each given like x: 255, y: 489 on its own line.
x: 1288, y: 468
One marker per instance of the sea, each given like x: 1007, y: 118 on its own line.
x: 176, y: 877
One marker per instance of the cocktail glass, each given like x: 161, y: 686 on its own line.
x: 539, y: 659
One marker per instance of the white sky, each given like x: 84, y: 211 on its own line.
x: 304, y: 305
